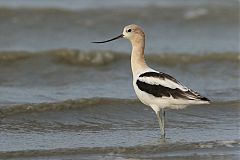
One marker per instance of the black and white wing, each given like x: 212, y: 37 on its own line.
x: 160, y: 84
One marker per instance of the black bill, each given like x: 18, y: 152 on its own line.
x: 120, y: 36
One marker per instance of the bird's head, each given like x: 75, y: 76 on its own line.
x: 132, y: 32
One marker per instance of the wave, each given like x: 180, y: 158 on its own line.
x: 142, y: 150
x: 90, y: 17
x: 65, y: 105
x: 80, y: 103
x: 97, y: 58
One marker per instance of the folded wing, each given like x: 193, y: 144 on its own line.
x: 160, y: 84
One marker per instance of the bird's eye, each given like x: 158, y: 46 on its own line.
x: 129, y: 30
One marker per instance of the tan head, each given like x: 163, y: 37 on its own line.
x: 132, y: 32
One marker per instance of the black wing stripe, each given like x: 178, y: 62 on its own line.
x: 161, y: 91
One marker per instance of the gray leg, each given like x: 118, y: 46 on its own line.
x: 163, y: 122
x: 160, y: 116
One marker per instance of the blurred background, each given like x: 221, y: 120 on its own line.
x: 48, y: 66
x: 62, y: 31
x: 191, y: 26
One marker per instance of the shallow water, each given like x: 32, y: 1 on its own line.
x: 115, y: 126
x: 62, y: 97
x: 34, y: 115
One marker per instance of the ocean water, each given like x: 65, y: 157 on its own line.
x: 62, y: 97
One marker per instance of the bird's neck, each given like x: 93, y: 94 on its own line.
x: 138, y: 63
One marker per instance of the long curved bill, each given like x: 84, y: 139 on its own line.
x: 120, y: 36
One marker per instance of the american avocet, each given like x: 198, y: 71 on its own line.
x: 155, y: 89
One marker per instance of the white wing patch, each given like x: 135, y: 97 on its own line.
x: 163, y: 82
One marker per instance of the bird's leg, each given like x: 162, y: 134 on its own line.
x: 161, y: 125
x: 163, y: 120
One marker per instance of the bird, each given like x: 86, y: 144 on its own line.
x: 158, y: 90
